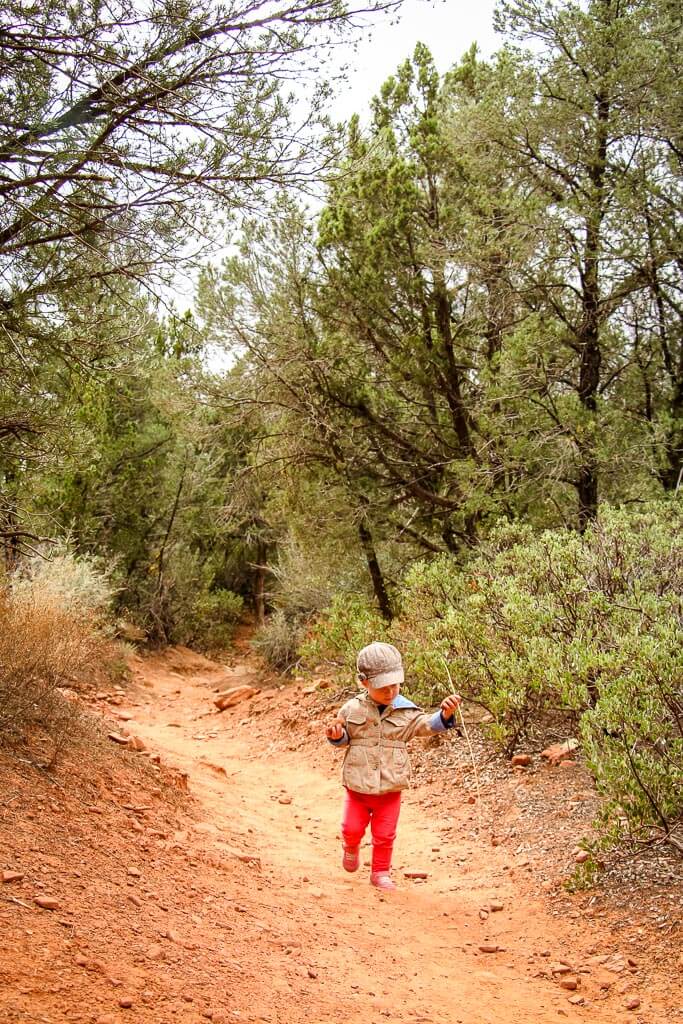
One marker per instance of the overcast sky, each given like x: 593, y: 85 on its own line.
x: 447, y: 27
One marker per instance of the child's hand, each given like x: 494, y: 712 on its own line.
x: 335, y: 730
x: 450, y: 704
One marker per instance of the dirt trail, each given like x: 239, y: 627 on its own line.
x: 323, y: 946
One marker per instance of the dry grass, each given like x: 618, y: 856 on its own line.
x: 45, y: 649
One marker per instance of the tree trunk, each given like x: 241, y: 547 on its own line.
x: 588, y: 333
x: 378, y: 585
x: 260, y: 585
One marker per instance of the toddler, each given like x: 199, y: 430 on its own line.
x: 375, y: 727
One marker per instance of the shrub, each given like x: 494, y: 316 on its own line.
x: 78, y: 584
x: 589, y: 626
x: 279, y: 638
x: 53, y: 634
x: 43, y: 648
x: 304, y: 596
x: 212, y: 619
x: 350, y: 623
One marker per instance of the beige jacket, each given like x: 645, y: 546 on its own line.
x: 376, y: 758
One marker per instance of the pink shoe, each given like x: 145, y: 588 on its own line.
x: 351, y: 858
x: 382, y: 880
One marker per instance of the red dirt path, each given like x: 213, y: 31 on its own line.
x: 161, y: 905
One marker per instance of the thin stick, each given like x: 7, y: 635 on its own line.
x: 469, y: 744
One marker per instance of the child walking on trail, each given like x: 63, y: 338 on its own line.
x: 375, y: 727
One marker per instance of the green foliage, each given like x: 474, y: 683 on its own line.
x: 585, y: 626
x: 209, y: 623
x: 79, y: 584
x: 342, y: 630
x: 306, y: 585
x: 53, y: 635
x: 279, y: 639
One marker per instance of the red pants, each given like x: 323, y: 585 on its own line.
x: 381, y: 810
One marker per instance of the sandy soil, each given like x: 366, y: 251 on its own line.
x: 229, y: 903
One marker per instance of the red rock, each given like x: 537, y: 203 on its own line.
x: 133, y: 872
x: 571, y: 984
x: 12, y: 876
x: 560, y: 751
x: 81, y: 961
x: 489, y: 947
x: 118, y: 738
x: 524, y: 760
x: 135, y: 743
x: 233, y: 696
x: 284, y: 799
x: 604, y: 981
x: 125, y: 1002
x: 582, y: 856
x: 135, y: 900
x: 46, y: 902
x: 156, y: 952
x: 415, y: 874
x: 495, y: 905
x: 632, y: 1003
x: 576, y: 1000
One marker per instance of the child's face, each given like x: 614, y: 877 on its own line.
x: 382, y: 694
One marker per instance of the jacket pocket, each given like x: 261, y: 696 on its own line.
x: 357, y: 773
x: 397, y: 767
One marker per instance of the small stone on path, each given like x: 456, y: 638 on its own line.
x: 47, y: 902
x: 571, y: 984
x: 558, y: 752
x: 228, y: 698
x: 12, y: 876
x: 522, y: 760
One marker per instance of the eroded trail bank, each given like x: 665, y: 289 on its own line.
x: 238, y: 909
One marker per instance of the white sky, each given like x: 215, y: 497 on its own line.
x: 447, y: 27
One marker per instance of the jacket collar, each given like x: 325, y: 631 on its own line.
x: 398, y: 702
